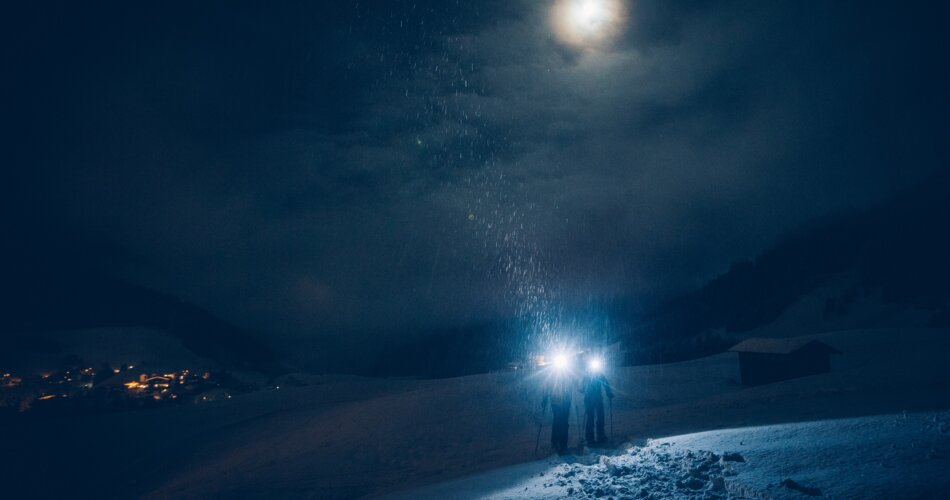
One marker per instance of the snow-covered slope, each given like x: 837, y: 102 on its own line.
x: 351, y: 437
x: 842, y: 304
x: 889, y: 456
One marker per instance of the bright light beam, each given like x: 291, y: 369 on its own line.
x: 595, y: 365
x: 560, y: 362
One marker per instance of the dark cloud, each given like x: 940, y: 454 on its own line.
x: 373, y: 167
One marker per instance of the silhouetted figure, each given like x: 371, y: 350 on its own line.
x: 593, y: 386
x: 559, y: 394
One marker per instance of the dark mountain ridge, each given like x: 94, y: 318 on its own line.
x: 899, y: 249
x: 48, y: 288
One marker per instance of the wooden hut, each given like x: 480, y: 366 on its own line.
x: 767, y: 360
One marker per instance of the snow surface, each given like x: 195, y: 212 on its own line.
x: 347, y: 437
x: 891, y: 456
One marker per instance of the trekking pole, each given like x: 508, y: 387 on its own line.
x: 611, y: 404
x: 537, y: 442
x: 577, y: 411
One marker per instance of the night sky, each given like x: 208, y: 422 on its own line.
x: 354, y: 172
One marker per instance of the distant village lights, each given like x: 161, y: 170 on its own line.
x: 87, y: 389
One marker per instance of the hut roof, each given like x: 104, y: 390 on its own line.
x: 763, y: 345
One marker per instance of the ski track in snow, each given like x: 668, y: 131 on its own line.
x: 891, y: 456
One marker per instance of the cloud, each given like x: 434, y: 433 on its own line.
x: 402, y: 166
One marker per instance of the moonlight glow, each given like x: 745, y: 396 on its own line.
x: 587, y: 23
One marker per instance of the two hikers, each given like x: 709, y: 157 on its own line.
x: 593, y: 385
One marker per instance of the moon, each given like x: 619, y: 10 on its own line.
x: 587, y: 23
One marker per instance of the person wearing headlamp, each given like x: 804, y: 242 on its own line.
x: 594, y: 385
x: 558, y: 392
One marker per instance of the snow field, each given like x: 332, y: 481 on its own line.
x: 887, y: 456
